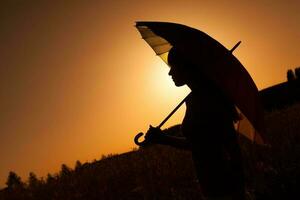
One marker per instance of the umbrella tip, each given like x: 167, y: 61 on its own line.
x: 235, y: 46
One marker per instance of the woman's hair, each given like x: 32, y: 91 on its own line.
x: 177, y: 57
x: 183, y: 60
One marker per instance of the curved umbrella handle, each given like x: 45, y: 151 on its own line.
x: 136, y: 140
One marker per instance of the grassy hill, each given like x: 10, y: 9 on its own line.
x: 280, y: 95
x: 160, y: 172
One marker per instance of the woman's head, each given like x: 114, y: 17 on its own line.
x: 185, y: 70
x: 181, y: 69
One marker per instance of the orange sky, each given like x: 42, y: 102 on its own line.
x: 77, y: 81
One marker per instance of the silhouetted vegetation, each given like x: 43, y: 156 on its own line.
x: 293, y: 75
x: 159, y: 172
x: 290, y: 75
x: 297, y: 73
x: 283, y: 94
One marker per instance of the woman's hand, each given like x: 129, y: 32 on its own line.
x: 155, y: 136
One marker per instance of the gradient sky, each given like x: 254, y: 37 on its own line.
x: 77, y: 81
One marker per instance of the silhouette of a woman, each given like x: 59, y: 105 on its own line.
x: 209, y: 132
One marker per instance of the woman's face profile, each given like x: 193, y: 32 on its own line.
x: 178, y: 74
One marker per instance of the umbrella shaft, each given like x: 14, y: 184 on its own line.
x: 175, y: 109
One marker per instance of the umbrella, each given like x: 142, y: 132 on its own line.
x: 218, y: 64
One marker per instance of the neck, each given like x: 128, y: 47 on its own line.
x: 194, y: 86
x: 200, y: 84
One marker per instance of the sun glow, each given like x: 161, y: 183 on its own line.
x: 165, y: 95
x: 163, y: 83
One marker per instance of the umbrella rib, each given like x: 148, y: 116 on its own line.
x: 160, y: 44
x: 150, y: 37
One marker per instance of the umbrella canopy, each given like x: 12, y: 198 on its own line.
x: 217, y: 63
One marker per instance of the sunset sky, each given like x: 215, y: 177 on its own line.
x: 77, y: 81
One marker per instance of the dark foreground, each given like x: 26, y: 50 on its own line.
x: 165, y: 173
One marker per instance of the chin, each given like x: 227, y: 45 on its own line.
x: 178, y: 84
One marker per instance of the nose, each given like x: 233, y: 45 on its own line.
x: 170, y: 72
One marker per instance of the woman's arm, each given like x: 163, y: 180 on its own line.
x: 156, y: 136
x: 177, y: 142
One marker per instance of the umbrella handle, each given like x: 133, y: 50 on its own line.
x: 136, y: 140
x: 143, y: 143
